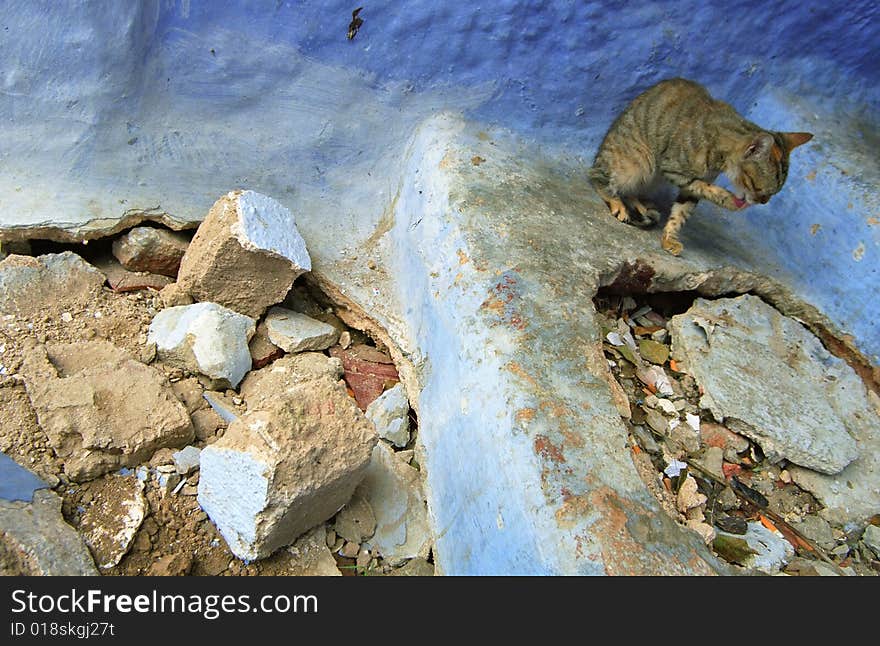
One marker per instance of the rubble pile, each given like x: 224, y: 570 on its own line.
x: 741, y: 424
x: 195, y: 407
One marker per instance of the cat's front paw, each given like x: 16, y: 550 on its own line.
x: 672, y: 245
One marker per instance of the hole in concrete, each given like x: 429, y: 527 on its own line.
x: 704, y: 474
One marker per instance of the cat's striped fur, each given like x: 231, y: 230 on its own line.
x: 676, y: 130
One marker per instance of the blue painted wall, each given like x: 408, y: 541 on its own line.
x: 124, y: 103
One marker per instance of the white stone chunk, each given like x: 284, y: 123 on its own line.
x: 295, y: 332
x: 206, y: 338
x: 390, y: 414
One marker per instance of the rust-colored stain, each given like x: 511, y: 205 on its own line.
x: 873, y: 222
x: 482, y: 136
x: 572, y: 511
x: 462, y: 257
x: 554, y: 409
x: 814, y: 229
x: 625, y: 554
x: 547, y: 450
x: 811, y: 176
x: 476, y: 160
x: 447, y: 161
x: 525, y: 414
x: 501, y: 301
x: 519, y: 371
x: 572, y: 439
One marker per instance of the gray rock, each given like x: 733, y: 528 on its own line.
x: 390, y: 413
x: 82, y: 395
x: 871, y: 538
x: 16, y: 482
x: 187, y: 460
x: 817, y: 530
x: 772, y: 551
x: 770, y: 379
x: 295, y: 332
x: 355, y: 521
x: 158, y: 251
x: 393, y: 489
x: 110, y: 523
x: 289, y: 463
x: 245, y: 255
x: 206, y: 338
x: 35, y: 540
x: 310, y: 555
x: 712, y: 461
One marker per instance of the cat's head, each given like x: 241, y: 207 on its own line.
x: 763, y: 165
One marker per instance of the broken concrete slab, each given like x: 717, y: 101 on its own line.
x: 355, y: 521
x: 767, y: 377
x: 16, y: 482
x: 390, y: 413
x: 393, y: 490
x: 311, y: 556
x: 149, y: 249
x: 205, y: 338
x: 35, y: 540
x: 29, y: 284
x: 83, y: 403
x: 110, y: 522
x: 245, y: 255
x: 290, y: 462
x: 295, y: 332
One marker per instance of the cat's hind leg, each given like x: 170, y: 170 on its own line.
x: 618, y: 182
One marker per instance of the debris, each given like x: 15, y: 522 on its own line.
x: 653, y: 351
x: 46, y: 283
x: 799, y: 405
x: 222, y: 405
x: 88, y: 413
x: 674, y: 468
x: 414, y: 567
x: 206, y: 338
x: 290, y: 462
x: 667, y: 407
x: 356, y: 521
x: 173, y: 295
x: 759, y: 548
x: 311, y: 556
x: 150, y: 249
x: 187, y: 460
x: 393, y: 489
x: 263, y: 351
x: 688, y: 496
x: 35, y: 540
x: 110, y: 523
x: 713, y: 462
x: 366, y: 371
x: 121, y: 279
x: 16, y: 482
x: 871, y: 538
x: 390, y: 414
x: 176, y: 564
x: 245, y: 255
x: 295, y: 332
x: 655, y: 378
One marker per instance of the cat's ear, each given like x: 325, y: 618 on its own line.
x: 760, y: 146
x: 795, y: 139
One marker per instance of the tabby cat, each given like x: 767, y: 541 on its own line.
x: 676, y: 130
